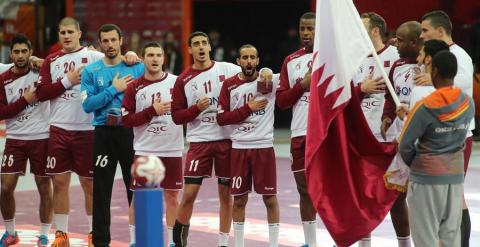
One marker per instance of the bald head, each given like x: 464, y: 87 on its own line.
x: 408, y: 39
x: 411, y: 29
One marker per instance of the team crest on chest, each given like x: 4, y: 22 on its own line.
x: 100, y: 81
x: 194, y: 87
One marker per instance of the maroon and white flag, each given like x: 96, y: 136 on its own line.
x: 345, y: 163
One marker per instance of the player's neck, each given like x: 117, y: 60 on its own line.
x: 448, y: 40
x: 378, y: 45
x: 200, y: 65
x: 112, y: 61
x: 74, y: 49
x: 154, y: 76
x: 20, y: 71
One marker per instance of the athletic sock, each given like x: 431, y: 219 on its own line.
x: 223, y: 239
x: 403, y: 241
x: 90, y: 220
x: 180, y: 234
x: 61, y: 222
x: 45, y: 228
x: 238, y: 234
x: 131, y: 229
x: 309, y: 231
x: 10, y: 225
x: 273, y: 230
x: 365, y: 242
x: 465, y: 229
x: 170, y: 235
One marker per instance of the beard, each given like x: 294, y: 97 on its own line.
x: 249, y: 72
x: 112, y: 53
x: 21, y: 65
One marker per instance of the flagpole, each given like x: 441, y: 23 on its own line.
x: 385, y: 77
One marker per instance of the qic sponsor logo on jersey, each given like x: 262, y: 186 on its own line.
x: 370, y: 103
x: 157, y: 127
x: 403, y: 90
x: 24, y: 117
x: 69, y: 95
x: 211, y: 119
x: 246, y: 127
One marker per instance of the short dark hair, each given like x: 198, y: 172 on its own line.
x: 150, y: 44
x: 20, y: 39
x: 246, y: 46
x: 375, y: 20
x: 433, y: 46
x: 439, y: 18
x: 107, y: 28
x: 308, y: 15
x: 195, y: 34
x: 446, y: 64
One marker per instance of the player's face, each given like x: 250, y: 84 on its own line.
x: 429, y: 32
x: 200, y: 49
x: 20, y: 55
x: 110, y: 42
x: 248, y: 61
x: 69, y: 37
x: 406, y: 47
x: 307, y: 32
x: 153, y: 59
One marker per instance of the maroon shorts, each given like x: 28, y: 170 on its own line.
x: 297, y: 149
x: 253, y: 165
x: 70, y: 151
x: 203, y: 156
x: 173, y: 174
x: 467, y: 152
x: 17, y: 152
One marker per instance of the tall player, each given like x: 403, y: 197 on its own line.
x: 437, y: 25
x: 103, y: 85
x: 294, y: 92
x: 372, y: 87
x: 71, y: 132
x: 146, y: 107
x: 402, y: 76
x: 247, y: 106
x: 27, y: 138
x: 195, y: 98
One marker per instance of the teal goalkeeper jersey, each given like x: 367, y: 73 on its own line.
x: 99, y: 95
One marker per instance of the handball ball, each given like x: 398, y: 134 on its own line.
x: 148, y: 171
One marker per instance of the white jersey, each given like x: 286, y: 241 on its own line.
x: 153, y: 135
x: 464, y: 77
x: 4, y: 67
x: 66, y: 107
x: 372, y: 104
x: 293, y: 71
x: 23, y: 121
x: 191, y: 86
x: 402, y: 76
x: 256, y: 130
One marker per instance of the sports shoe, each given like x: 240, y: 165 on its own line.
x: 42, y: 241
x: 9, y: 239
x: 132, y: 245
x: 171, y: 245
x: 305, y: 245
x: 90, y: 239
x: 61, y: 240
